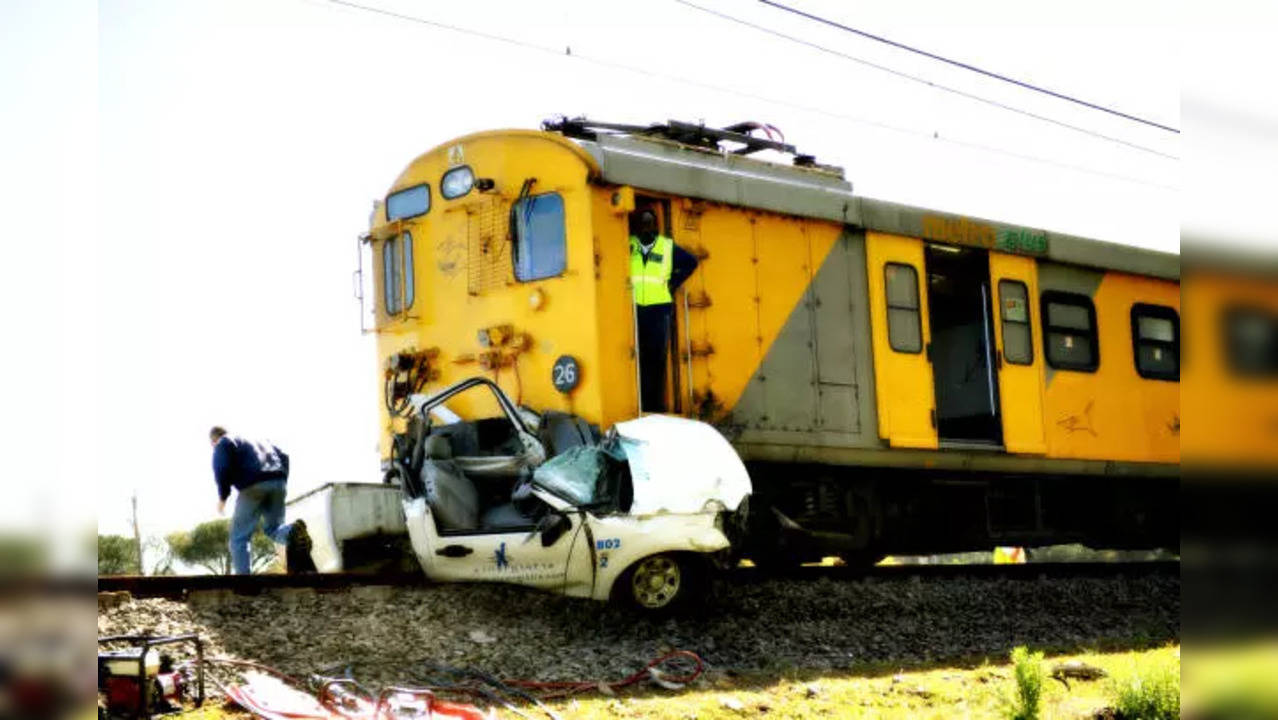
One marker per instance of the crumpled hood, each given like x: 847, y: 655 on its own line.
x: 678, y: 465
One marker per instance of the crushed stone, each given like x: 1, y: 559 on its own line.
x: 771, y: 625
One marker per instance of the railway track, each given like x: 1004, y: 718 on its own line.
x: 178, y: 586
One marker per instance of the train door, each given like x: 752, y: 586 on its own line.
x: 901, y: 333
x: 657, y: 365
x: 1020, y: 371
x: 962, y: 347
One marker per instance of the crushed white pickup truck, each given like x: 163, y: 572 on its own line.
x: 641, y: 515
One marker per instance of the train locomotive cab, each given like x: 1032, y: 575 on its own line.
x: 481, y: 257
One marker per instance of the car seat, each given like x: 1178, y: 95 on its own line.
x: 450, y: 494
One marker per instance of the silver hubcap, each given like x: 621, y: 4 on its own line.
x: 656, y: 581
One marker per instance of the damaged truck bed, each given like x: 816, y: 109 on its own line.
x: 640, y: 515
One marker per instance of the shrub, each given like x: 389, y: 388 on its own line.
x: 1150, y: 691
x: 1028, y: 671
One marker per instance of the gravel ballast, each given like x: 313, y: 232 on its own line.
x: 770, y: 625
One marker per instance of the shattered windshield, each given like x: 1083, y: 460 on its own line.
x: 576, y: 474
x: 573, y: 475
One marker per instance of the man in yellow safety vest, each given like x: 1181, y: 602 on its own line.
x: 657, y: 268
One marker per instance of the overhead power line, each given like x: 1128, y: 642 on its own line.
x: 743, y: 94
x: 929, y: 83
x: 967, y: 66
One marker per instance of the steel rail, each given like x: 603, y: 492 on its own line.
x: 178, y: 586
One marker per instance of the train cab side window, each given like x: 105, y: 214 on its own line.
x: 407, y: 240
x: 1013, y: 298
x: 397, y: 273
x: 905, y: 332
x: 1251, y: 342
x: 539, y: 250
x: 1156, y: 341
x: 1069, y: 331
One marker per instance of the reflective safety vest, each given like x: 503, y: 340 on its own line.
x: 651, y: 277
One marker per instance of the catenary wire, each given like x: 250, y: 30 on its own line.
x: 967, y: 66
x: 752, y: 96
x: 929, y: 83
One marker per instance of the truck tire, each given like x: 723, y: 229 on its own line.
x: 297, y: 552
x: 662, y: 583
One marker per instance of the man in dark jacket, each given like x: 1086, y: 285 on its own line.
x: 259, y: 473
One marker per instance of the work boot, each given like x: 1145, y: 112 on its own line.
x: 297, y: 551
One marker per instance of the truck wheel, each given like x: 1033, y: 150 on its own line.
x: 659, y: 583
x: 297, y: 552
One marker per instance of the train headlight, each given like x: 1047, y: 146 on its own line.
x: 457, y: 182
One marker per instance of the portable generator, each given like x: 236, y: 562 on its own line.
x: 138, y: 681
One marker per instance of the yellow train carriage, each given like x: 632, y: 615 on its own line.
x: 897, y: 379
x: 1231, y: 378
x: 1230, y: 444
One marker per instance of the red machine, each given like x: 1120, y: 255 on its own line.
x: 138, y: 682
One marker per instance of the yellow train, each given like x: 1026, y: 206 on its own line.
x: 897, y: 379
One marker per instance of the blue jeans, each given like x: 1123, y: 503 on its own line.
x: 265, y: 500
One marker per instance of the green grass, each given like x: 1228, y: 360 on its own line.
x: 1026, y: 700
x: 1148, y: 690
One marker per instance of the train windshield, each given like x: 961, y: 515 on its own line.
x: 540, y: 250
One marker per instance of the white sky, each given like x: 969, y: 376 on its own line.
x: 183, y: 221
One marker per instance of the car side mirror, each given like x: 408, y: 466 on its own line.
x: 552, y: 527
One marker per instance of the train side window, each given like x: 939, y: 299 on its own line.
x: 905, y: 332
x: 407, y: 240
x: 390, y: 275
x: 1251, y: 341
x: 1156, y: 341
x: 1013, y: 297
x: 540, y: 250
x: 1069, y: 331
x: 397, y: 273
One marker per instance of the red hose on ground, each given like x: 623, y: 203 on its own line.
x: 565, y: 688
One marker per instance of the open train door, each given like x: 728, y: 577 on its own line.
x: 901, y: 335
x: 1020, y: 370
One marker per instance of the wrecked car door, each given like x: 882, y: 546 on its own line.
x: 549, y: 555
x: 585, y: 481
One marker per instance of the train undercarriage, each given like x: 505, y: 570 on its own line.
x: 801, y: 513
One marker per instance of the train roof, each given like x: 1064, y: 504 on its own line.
x: 816, y: 191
